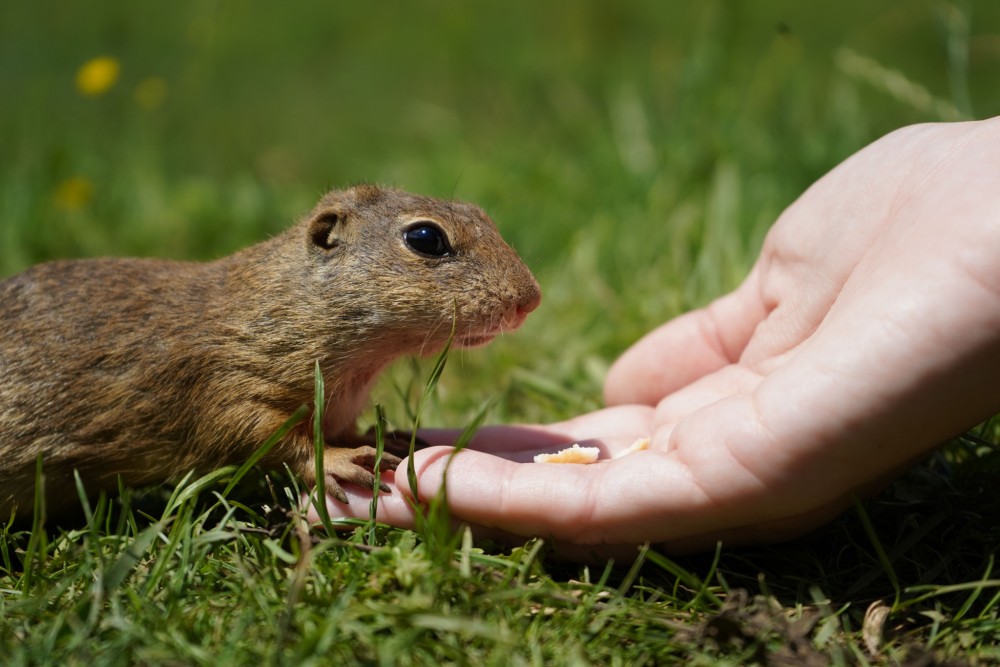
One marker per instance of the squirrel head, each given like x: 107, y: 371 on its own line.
x: 407, y: 269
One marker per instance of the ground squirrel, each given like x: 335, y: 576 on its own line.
x: 149, y: 368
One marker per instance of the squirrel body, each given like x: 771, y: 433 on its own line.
x: 147, y: 369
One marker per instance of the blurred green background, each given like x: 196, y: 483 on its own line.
x: 635, y: 152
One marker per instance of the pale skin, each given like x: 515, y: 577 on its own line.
x: 867, y: 334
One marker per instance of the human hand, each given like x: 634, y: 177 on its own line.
x: 867, y: 333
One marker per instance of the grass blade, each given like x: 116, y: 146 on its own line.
x: 115, y: 574
x: 432, y: 381
x: 267, y: 446
x: 879, y: 550
x: 318, y: 493
x: 37, y: 543
x: 974, y: 595
x: 187, y: 490
x: 464, y: 438
x: 437, y: 515
x: 684, y: 577
x: 380, y: 424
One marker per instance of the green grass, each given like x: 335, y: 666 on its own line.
x: 635, y: 153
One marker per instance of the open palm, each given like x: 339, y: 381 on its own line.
x: 867, y: 333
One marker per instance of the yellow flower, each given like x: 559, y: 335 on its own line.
x: 97, y: 76
x: 150, y: 93
x: 73, y: 194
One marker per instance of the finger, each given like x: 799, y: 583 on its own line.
x: 728, y: 381
x: 643, y: 496
x: 393, y: 508
x: 686, y: 348
x: 398, y: 511
x: 497, y: 438
x: 617, y: 427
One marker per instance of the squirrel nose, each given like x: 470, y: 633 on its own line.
x: 529, y: 299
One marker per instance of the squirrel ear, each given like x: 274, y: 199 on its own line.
x: 323, y: 229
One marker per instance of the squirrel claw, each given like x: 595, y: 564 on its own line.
x: 334, y: 490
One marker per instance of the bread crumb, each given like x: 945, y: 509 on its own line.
x: 637, y: 446
x: 578, y: 454
x: 574, y: 454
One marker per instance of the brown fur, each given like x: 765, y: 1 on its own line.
x: 148, y: 368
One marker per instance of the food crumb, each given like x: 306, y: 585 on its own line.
x: 637, y: 446
x: 574, y: 454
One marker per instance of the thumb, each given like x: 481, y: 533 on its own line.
x: 686, y: 348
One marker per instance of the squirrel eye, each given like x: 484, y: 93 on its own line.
x: 427, y: 239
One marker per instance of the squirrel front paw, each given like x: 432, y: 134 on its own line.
x: 354, y: 465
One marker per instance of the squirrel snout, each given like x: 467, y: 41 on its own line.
x: 529, y: 301
x: 528, y: 298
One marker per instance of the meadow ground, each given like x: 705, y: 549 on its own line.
x: 635, y: 153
